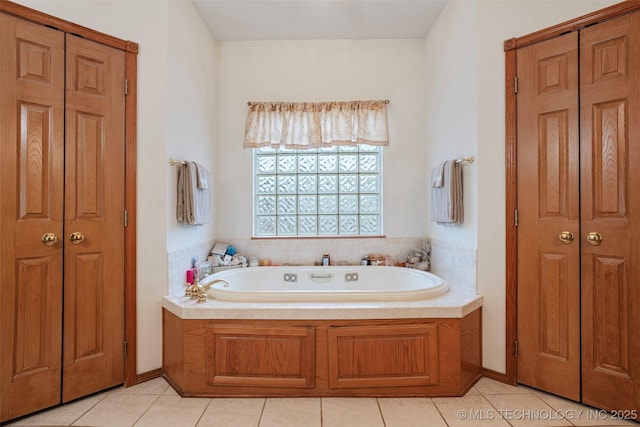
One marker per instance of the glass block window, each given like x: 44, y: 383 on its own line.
x: 334, y: 191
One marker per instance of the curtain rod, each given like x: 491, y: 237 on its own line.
x: 250, y: 103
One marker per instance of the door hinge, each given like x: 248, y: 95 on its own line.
x: 126, y: 87
x: 515, y: 85
x: 126, y: 218
x: 515, y: 348
x: 515, y: 217
x: 125, y: 349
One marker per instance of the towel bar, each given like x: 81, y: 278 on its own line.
x: 466, y: 159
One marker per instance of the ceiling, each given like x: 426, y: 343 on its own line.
x: 231, y: 20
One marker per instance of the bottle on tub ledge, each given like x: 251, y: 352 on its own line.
x: 326, y: 260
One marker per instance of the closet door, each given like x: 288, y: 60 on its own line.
x: 610, y: 211
x: 548, y: 210
x: 94, y: 219
x: 31, y: 215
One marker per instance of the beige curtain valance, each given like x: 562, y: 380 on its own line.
x: 316, y: 124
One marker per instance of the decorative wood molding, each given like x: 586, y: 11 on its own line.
x: 60, y: 24
x: 510, y: 47
x: 132, y: 47
x: 605, y: 14
x: 511, y: 185
x: 509, y: 44
x: 131, y: 263
x: 495, y: 375
x: 149, y: 375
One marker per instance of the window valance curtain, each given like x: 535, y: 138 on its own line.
x: 316, y: 124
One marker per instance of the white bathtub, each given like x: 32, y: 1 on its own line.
x: 335, y: 283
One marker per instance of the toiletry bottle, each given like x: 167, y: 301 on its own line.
x: 325, y: 259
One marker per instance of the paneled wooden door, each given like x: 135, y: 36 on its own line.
x: 610, y: 212
x: 31, y: 215
x: 579, y: 222
x: 62, y: 217
x: 548, y: 217
x: 94, y: 219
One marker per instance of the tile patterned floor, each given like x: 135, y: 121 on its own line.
x: 488, y: 403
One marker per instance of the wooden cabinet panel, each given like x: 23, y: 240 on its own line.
x: 383, y: 356
x: 265, y: 357
x: 390, y: 357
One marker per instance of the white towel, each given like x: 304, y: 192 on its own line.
x: 447, y: 201
x: 437, y: 175
x: 193, y: 204
x: 202, y: 175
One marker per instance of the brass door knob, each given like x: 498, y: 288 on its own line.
x: 594, y: 238
x: 566, y: 237
x: 76, y: 238
x: 49, y: 239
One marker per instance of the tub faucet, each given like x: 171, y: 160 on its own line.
x: 202, y: 289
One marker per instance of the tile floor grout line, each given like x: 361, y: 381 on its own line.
x: 264, y: 405
x: 380, y: 412
x: 106, y: 394
x: 321, y: 413
x: 439, y: 412
x: 496, y: 409
x: 203, y: 412
x: 147, y: 410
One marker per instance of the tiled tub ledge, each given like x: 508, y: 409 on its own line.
x: 428, y: 347
x: 456, y: 303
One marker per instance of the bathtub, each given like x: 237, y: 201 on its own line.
x: 323, y: 331
x: 339, y: 283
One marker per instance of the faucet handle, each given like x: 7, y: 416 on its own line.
x: 195, y: 290
x: 202, y: 297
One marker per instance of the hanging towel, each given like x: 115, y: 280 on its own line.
x: 203, y: 176
x: 193, y: 205
x: 446, y: 201
x: 437, y: 175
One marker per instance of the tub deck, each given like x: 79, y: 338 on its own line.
x: 413, y: 348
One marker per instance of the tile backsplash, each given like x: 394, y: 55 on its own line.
x: 453, y: 262
x: 341, y: 251
x: 180, y: 261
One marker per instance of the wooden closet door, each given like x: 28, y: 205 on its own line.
x: 610, y: 207
x: 31, y: 195
x: 94, y: 219
x: 548, y: 205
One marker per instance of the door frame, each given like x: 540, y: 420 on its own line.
x: 511, y: 142
x: 131, y: 72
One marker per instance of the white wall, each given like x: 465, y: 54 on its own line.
x: 451, y: 66
x: 191, y: 100
x: 323, y: 71
x: 495, y: 21
x: 172, y: 121
x: 463, y: 78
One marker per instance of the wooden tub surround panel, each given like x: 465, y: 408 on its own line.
x: 390, y: 357
x: 262, y: 357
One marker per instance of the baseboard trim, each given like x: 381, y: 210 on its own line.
x: 494, y: 375
x: 149, y: 375
x: 156, y: 373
